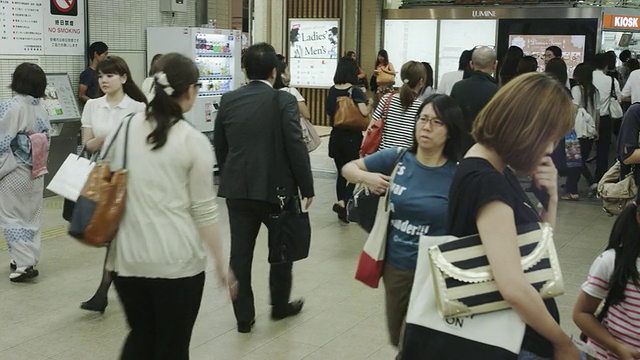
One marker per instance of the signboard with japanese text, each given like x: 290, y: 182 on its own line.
x: 22, y: 27
x: 59, y: 98
x: 313, y: 52
x: 64, y: 27
x: 42, y: 27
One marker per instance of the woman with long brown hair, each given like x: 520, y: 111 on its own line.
x: 384, y: 74
x: 100, y: 117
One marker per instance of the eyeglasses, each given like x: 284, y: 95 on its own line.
x: 435, y: 122
x: 198, y: 85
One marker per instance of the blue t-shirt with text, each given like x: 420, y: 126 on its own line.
x: 419, y: 200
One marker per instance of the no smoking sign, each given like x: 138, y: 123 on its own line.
x: 64, y: 7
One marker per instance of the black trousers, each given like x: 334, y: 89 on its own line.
x: 585, y: 151
x: 245, y: 218
x: 602, y: 147
x: 161, y: 314
x: 343, y: 148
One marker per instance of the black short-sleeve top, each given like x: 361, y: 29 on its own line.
x: 476, y: 184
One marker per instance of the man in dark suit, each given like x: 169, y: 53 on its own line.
x: 246, y: 149
x: 475, y: 92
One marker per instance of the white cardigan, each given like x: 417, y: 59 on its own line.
x: 170, y: 194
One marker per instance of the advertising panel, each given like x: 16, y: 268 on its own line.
x: 314, y: 49
x: 573, y: 47
x: 457, y: 36
x: 407, y: 40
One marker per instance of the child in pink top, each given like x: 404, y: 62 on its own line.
x: 614, y: 281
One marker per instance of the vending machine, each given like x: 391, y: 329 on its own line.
x: 216, y: 53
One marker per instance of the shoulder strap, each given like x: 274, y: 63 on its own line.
x: 387, y: 104
x: 613, y: 90
x: 278, y: 145
x: 126, y: 140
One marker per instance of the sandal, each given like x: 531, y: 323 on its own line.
x: 570, y: 197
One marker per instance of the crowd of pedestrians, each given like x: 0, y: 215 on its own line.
x: 450, y: 156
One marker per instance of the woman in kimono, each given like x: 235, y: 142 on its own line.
x: 24, y: 144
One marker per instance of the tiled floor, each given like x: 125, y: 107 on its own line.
x: 342, y: 318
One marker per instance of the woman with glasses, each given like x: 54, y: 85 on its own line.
x: 418, y: 195
x: 100, y: 117
x: 158, y: 256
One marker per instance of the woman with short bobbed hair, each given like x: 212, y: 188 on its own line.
x: 24, y: 136
x: 515, y: 132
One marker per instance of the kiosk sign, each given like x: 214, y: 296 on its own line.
x: 611, y: 21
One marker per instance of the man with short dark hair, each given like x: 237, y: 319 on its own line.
x: 247, y: 151
x: 476, y: 91
x: 89, y: 88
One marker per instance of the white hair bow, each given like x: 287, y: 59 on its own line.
x: 161, y: 79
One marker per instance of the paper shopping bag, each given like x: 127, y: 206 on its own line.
x: 71, y: 177
x: 371, y: 260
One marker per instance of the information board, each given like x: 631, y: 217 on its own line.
x: 535, y: 45
x: 313, y: 52
x: 407, y: 40
x: 64, y: 27
x: 42, y: 27
x: 59, y: 99
x: 457, y: 36
x: 22, y: 24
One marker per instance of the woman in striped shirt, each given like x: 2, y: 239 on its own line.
x: 614, y: 280
x: 399, y: 111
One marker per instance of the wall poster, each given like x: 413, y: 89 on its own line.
x: 64, y: 27
x: 314, y: 50
x: 407, y: 40
x: 573, y: 47
x: 22, y: 27
x: 42, y: 27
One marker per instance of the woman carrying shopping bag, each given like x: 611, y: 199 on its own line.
x: 158, y: 257
x: 101, y: 117
x: 515, y: 132
x: 344, y: 143
x: 418, y: 195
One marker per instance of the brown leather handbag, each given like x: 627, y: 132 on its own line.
x: 99, y: 208
x: 348, y: 115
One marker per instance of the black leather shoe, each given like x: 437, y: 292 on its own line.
x: 245, y: 327
x: 97, y: 303
x: 292, y: 309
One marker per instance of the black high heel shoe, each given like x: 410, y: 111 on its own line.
x: 96, y: 303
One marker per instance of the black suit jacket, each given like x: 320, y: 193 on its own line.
x: 473, y: 94
x: 245, y: 145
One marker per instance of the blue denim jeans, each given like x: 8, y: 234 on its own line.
x: 527, y: 355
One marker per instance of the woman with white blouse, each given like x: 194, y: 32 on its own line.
x: 100, y: 117
x: 158, y: 256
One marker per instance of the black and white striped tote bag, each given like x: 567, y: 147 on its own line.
x: 463, y: 280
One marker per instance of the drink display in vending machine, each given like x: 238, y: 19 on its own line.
x: 215, y: 52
